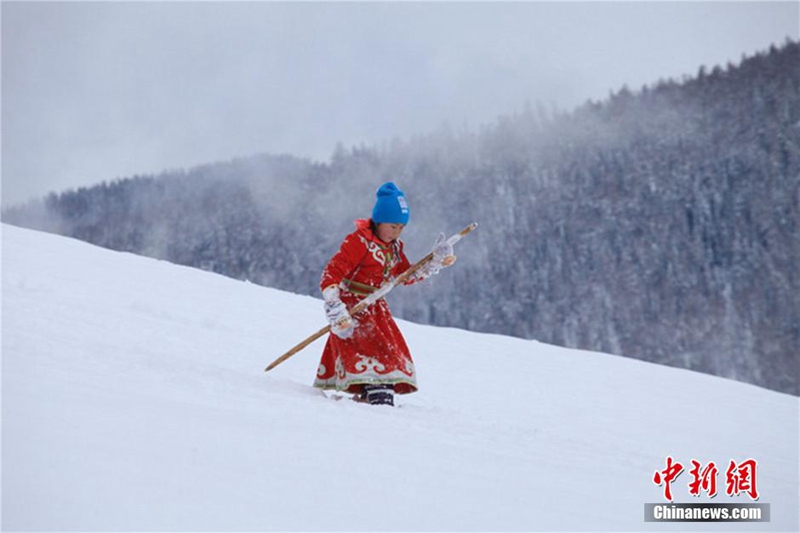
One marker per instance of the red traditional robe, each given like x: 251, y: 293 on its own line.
x: 377, y: 352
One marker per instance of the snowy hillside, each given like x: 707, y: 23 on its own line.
x: 134, y: 399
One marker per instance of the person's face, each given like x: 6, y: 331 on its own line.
x: 389, y: 232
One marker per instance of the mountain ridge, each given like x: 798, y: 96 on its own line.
x: 660, y: 224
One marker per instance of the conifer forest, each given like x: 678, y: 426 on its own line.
x: 662, y: 223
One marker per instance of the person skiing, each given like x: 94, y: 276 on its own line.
x: 366, y: 355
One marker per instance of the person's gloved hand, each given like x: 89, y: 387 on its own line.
x: 342, y: 324
x: 443, y: 252
x: 442, y: 257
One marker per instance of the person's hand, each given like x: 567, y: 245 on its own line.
x: 342, y: 324
x: 443, y: 252
x: 443, y: 257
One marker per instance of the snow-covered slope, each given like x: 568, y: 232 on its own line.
x: 134, y: 399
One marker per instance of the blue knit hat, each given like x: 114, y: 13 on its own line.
x: 391, y: 206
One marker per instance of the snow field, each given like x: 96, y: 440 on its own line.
x: 134, y: 398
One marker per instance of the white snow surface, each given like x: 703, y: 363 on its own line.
x: 134, y: 399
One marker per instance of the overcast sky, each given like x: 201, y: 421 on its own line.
x: 96, y: 91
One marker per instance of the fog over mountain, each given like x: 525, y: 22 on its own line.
x: 661, y: 223
x: 93, y: 91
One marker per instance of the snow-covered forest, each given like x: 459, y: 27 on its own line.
x: 662, y: 223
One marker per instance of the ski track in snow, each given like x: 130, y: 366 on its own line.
x: 134, y: 398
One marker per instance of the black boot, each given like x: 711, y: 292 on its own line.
x: 379, y: 394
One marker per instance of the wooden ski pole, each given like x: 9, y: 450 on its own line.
x: 372, y: 298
